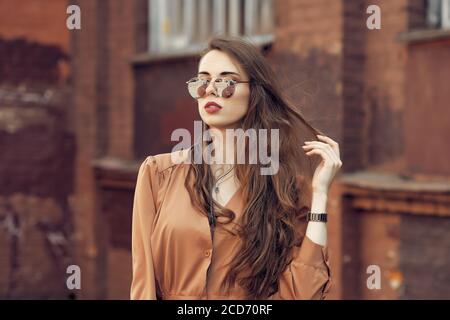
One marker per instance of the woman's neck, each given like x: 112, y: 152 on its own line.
x: 223, y: 159
x: 224, y: 148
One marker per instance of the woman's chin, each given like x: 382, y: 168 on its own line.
x: 215, y: 121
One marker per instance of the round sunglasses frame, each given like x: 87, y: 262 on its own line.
x: 230, y: 86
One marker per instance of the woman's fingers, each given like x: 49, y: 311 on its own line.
x: 326, y: 155
x: 319, y: 152
x: 331, y: 142
x: 332, y: 156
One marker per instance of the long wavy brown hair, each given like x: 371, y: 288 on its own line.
x: 273, y: 220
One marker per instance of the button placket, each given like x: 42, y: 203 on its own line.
x: 208, y: 254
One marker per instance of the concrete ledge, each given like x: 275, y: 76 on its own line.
x: 422, y: 35
x: 373, y: 191
x: 263, y: 42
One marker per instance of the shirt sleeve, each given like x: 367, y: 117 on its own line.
x: 143, y: 285
x: 308, y: 276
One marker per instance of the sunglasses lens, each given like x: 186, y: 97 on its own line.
x: 225, y: 89
x: 228, y: 91
x: 196, y: 89
x: 201, y: 90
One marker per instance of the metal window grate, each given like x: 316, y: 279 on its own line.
x: 445, y: 14
x: 184, y: 25
x: 438, y: 14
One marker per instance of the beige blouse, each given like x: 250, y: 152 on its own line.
x: 172, y: 248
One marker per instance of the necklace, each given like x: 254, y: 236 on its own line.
x: 217, y: 184
x: 216, y: 188
x: 211, y: 214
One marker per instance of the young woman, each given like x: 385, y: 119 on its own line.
x: 214, y: 230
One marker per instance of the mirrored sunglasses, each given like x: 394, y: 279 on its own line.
x: 224, y: 87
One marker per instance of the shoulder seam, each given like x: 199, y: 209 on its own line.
x: 160, y: 165
x: 163, y: 161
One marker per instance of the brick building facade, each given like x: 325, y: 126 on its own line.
x: 37, y: 150
x: 380, y: 93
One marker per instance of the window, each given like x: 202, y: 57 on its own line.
x: 185, y: 25
x: 438, y: 14
x: 446, y: 14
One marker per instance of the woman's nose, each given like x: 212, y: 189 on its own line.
x: 210, y: 89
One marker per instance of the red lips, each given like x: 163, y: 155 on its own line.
x: 212, y: 107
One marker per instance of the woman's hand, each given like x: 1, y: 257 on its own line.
x: 328, y: 149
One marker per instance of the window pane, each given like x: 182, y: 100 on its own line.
x: 219, y: 16
x: 266, y: 17
x: 433, y: 13
x: 205, y: 19
x: 187, y: 24
x: 446, y: 14
x: 250, y: 17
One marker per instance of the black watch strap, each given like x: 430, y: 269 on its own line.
x: 319, y: 217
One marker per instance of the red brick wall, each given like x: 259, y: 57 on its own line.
x: 104, y: 113
x: 384, y: 83
x: 350, y: 82
x: 38, y: 147
x: 121, y: 45
x: 427, y: 115
x: 391, y: 88
x: 44, y: 22
x: 36, y: 36
x: 424, y: 259
x: 157, y: 113
x: 308, y: 55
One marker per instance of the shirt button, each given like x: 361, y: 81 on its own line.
x: 207, y: 253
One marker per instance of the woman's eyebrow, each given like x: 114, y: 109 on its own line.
x: 224, y: 73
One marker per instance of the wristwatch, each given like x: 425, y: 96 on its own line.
x: 319, y: 217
